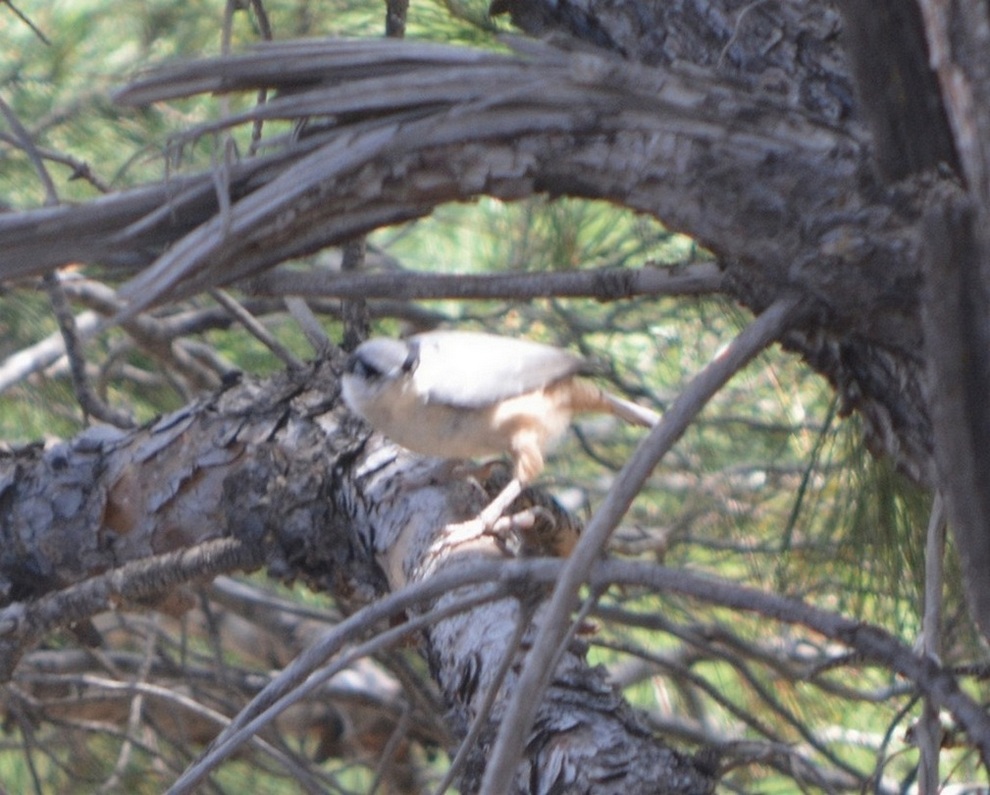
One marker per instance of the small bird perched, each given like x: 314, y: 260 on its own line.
x: 462, y: 394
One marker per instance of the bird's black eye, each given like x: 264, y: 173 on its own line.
x: 412, y: 358
x: 361, y: 368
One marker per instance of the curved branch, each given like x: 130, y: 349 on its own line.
x: 540, y: 663
x: 787, y: 200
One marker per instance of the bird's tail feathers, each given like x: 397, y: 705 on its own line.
x: 587, y: 396
x: 631, y: 412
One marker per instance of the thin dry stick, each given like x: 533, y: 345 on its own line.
x: 80, y: 168
x: 27, y: 21
x: 18, y: 366
x: 89, y: 401
x: 267, y: 34
x: 538, y: 668
x: 114, y: 780
x: 310, y: 324
x: 354, y: 311
x: 387, y: 757
x: 27, y: 144
x: 928, y: 731
x: 256, y: 329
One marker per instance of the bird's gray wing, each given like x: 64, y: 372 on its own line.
x: 470, y: 369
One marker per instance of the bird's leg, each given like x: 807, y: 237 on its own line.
x: 494, y: 510
x: 490, y: 521
x: 528, y: 463
x: 534, y: 531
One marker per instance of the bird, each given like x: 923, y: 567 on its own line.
x: 466, y: 395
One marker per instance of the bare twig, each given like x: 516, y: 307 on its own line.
x: 27, y: 21
x: 395, y: 18
x: 267, y: 34
x: 18, y: 366
x: 310, y: 324
x: 80, y: 168
x: 89, y: 401
x: 928, y: 730
x: 31, y: 150
x: 354, y: 311
x: 256, y: 329
x: 113, y: 781
x: 297, y: 680
x: 399, y: 734
x: 21, y: 624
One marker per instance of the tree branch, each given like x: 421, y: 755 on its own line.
x: 412, y: 125
x: 539, y: 666
x: 22, y: 624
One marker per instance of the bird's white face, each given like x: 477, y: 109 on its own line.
x: 393, y: 406
x: 377, y: 368
x: 361, y: 392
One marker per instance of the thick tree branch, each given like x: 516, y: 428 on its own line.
x: 286, y: 472
x: 786, y: 198
x: 237, y: 463
x: 957, y: 344
x: 602, y: 284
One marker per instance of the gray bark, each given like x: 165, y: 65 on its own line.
x: 741, y: 132
x: 282, y: 470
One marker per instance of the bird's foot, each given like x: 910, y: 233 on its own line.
x: 509, y: 531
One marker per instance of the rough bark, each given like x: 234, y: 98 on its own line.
x: 283, y: 470
x: 741, y: 132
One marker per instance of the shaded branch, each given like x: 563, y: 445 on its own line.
x: 22, y: 624
x: 786, y: 199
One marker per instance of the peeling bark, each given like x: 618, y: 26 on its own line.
x: 282, y: 469
x: 251, y: 463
